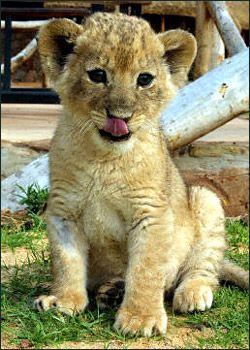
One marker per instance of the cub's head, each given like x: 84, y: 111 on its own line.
x: 113, y: 73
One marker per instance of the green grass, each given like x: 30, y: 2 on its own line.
x: 238, y: 241
x: 27, y: 232
x: 227, y: 320
x: 20, y: 321
x: 29, y: 235
x: 33, y: 197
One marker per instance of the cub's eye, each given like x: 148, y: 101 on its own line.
x: 145, y: 79
x: 97, y: 75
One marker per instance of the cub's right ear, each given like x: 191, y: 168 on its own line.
x: 56, y: 41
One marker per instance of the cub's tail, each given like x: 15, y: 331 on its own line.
x: 232, y: 273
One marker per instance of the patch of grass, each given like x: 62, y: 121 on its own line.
x: 238, y: 242
x: 28, y: 234
x: 34, y: 198
x: 227, y: 320
x: 20, y: 321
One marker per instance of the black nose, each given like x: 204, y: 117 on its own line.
x: 119, y: 114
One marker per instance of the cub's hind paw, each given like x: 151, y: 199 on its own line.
x: 65, y: 305
x: 192, y: 297
x: 45, y: 302
x: 110, y: 294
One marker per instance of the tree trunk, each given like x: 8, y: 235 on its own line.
x: 226, y: 26
x: 200, y: 107
x: 211, y: 49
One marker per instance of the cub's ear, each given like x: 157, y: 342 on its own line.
x: 56, y: 41
x: 180, y: 51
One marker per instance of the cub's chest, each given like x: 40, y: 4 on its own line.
x: 107, y: 210
x: 103, y: 221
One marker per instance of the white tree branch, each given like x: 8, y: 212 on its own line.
x: 25, y: 24
x: 22, y: 56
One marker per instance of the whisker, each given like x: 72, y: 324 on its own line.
x: 152, y: 128
x: 79, y: 127
x: 145, y: 124
x: 88, y: 122
x: 99, y: 122
x: 86, y: 128
x: 97, y: 113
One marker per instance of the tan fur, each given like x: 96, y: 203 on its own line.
x: 229, y: 272
x: 121, y: 209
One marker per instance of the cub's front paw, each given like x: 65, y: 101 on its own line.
x: 192, y: 297
x: 129, y: 321
x: 67, y: 305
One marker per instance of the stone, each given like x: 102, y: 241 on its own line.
x: 13, y: 158
x: 222, y: 167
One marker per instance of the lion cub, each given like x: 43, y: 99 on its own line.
x: 118, y: 207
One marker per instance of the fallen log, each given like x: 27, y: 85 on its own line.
x: 200, y: 107
x: 226, y: 26
x: 208, y: 102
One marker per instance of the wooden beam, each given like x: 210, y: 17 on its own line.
x: 163, y: 23
x: 239, y: 10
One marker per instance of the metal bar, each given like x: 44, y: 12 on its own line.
x: 7, y: 53
x: 97, y: 8
x: 25, y: 95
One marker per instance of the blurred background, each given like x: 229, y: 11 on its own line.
x: 162, y: 15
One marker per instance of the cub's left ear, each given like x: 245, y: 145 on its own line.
x: 180, y: 51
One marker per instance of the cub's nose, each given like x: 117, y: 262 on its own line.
x: 118, y: 113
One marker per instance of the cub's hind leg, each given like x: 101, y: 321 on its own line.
x: 111, y: 293
x: 199, y: 275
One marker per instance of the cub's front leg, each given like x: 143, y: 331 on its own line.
x: 69, y: 260
x: 142, y: 310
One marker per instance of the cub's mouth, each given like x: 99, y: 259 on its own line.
x: 115, y: 129
x: 110, y: 137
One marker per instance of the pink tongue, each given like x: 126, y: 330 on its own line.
x: 116, y: 127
